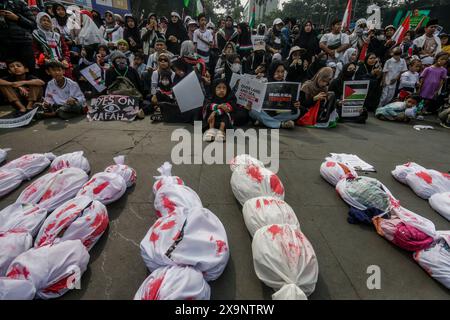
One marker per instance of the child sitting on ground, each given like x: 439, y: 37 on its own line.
x: 392, y: 71
x: 139, y: 64
x: 124, y: 47
x: 217, y: 112
x: 21, y: 89
x: 402, y: 111
x: 63, y: 97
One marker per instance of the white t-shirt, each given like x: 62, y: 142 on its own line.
x: 207, y: 37
x: 409, y: 80
x: 394, y: 69
x: 334, y: 41
x: 59, y: 95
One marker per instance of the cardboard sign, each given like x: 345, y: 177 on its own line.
x: 258, y: 43
x: 189, y: 93
x: 281, y: 96
x: 113, y: 108
x: 355, y: 93
x: 251, y: 91
x: 93, y: 74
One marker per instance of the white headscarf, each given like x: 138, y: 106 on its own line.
x: 89, y: 34
x: 49, y: 34
x: 347, y: 55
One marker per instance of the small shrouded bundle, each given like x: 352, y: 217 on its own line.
x: 440, y: 202
x: 12, y: 244
x: 189, y: 237
x: 78, y: 219
x: 406, y: 229
x: 368, y: 198
x: 174, y: 283
x: 402, y: 171
x: 104, y: 187
x: 14, y: 289
x: 24, y: 168
x: 263, y: 211
x: 30, y: 164
x: 53, y: 189
x: 51, y: 269
x: 25, y: 216
x: 435, y: 260
x: 251, y: 181
x: 70, y: 160
x: 244, y: 160
x: 126, y: 172
x: 285, y: 260
x: 166, y: 178
x: 3, y: 154
x: 333, y: 171
x: 425, y: 183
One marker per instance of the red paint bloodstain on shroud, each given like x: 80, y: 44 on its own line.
x: 275, y: 184
x: 274, y: 230
x: 425, y: 177
x: 153, y: 289
x: 255, y: 173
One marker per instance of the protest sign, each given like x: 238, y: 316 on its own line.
x: 258, y: 43
x: 189, y: 93
x: 19, y: 121
x: 355, y: 93
x: 235, y: 80
x: 93, y: 74
x: 281, y: 96
x: 251, y: 91
x: 113, y: 108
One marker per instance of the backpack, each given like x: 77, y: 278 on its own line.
x: 123, y: 86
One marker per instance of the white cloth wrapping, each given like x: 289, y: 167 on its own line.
x: 26, y: 216
x: 104, y: 187
x: 244, y: 160
x: 424, y: 182
x: 400, y: 172
x: 52, y: 269
x: 333, y: 171
x: 435, y: 260
x: 30, y: 164
x: 78, y: 219
x: 440, y: 202
x: 166, y: 178
x: 126, y: 172
x: 263, y: 211
x: 354, y: 191
x: 189, y: 237
x: 12, y: 244
x: 172, y: 196
x: 14, y: 289
x: 71, y: 160
x: 4, y: 154
x: 251, y: 181
x: 10, y: 179
x: 53, y: 189
x: 174, y: 283
x: 285, y: 261
x: 24, y: 168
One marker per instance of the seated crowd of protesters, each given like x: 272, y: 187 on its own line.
x: 44, y: 52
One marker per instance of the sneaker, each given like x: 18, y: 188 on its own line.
x: 445, y: 125
x: 288, y: 124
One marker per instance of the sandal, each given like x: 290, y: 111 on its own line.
x: 209, y: 135
x: 220, y: 137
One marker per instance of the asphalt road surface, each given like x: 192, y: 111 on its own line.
x: 344, y: 251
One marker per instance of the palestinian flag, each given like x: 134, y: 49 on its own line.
x: 200, y: 7
x: 401, y: 31
x: 347, y: 16
x: 355, y: 92
x: 310, y: 119
x: 252, y: 17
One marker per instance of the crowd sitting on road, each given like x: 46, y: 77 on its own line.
x: 44, y: 51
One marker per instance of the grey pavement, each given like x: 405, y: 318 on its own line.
x: 344, y: 251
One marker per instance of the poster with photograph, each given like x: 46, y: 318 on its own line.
x: 93, y: 74
x: 258, y: 43
x: 251, y: 91
x: 281, y: 96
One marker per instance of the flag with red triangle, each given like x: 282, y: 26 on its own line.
x: 401, y: 31
x: 347, y: 16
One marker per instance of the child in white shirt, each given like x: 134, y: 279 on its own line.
x: 203, y: 38
x: 410, y: 79
x: 392, y: 71
x: 63, y: 97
